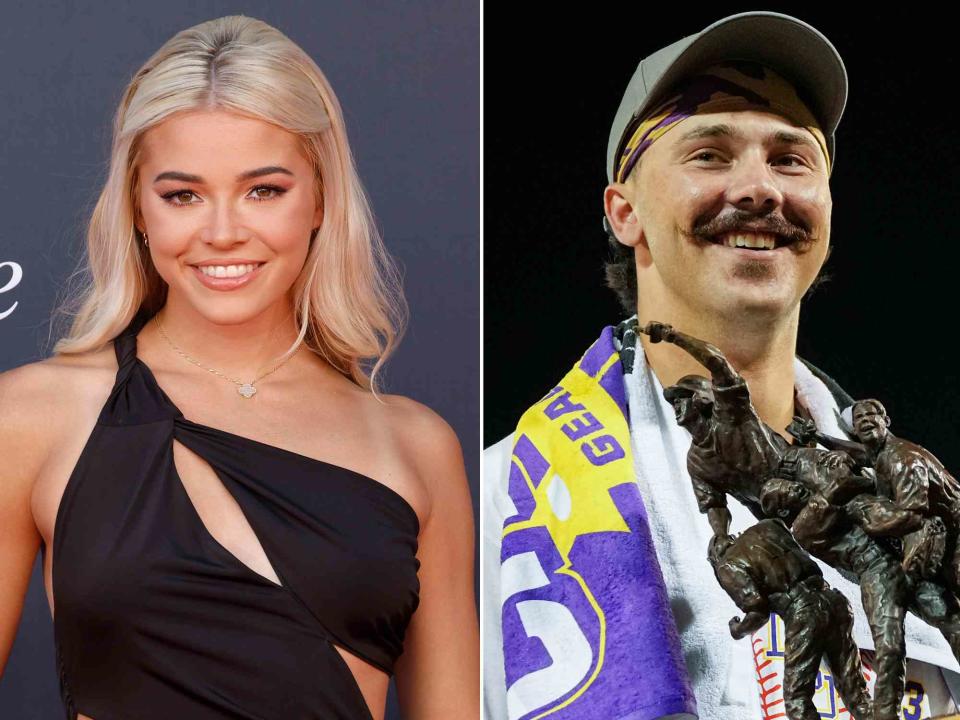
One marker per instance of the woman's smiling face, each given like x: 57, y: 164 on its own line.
x: 223, y: 189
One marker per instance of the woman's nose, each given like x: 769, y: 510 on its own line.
x: 223, y: 226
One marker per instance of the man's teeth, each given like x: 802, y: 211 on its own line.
x: 221, y: 271
x: 764, y: 241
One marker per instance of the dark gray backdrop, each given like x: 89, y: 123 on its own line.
x: 407, y: 76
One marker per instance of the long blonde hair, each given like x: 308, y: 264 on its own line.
x: 349, y: 304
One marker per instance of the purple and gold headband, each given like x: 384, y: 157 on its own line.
x: 735, y: 85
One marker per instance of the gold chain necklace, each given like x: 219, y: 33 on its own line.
x: 246, y: 390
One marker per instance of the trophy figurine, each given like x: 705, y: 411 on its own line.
x: 881, y: 509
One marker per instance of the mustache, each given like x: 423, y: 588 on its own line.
x: 744, y: 221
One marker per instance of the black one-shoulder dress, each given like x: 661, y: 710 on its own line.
x: 154, y: 619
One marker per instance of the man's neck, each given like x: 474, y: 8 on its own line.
x: 762, y: 355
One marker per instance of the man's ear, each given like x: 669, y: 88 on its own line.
x: 620, y: 214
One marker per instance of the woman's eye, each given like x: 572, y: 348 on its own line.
x: 175, y: 197
x: 276, y: 192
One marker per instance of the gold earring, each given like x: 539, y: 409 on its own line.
x: 146, y: 242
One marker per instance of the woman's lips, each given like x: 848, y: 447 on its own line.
x: 226, y: 283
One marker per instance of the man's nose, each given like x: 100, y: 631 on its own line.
x: 754, y: 185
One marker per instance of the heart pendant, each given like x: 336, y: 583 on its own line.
x: 247, y: 390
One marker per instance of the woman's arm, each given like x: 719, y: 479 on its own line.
x: 20, y: 460
x: 438, y: 675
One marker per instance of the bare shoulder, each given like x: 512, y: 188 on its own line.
x: 425, y: 443
x: 57, y: 378
x: 17, y: 388
x: 25, y: 440
x: 26, y: 392
x: 421, y: 429
x: 40, y: 399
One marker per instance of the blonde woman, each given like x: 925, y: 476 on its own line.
x: 234, y: 522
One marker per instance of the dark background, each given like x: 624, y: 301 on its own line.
x: 883, y: 327
x: 407, y: 76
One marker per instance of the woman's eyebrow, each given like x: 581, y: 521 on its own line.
x: 249, y: 174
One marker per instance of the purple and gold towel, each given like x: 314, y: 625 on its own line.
x: 587, y: 628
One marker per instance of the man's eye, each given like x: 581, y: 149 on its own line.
x: 706, y: 155
x: 790, y: 161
